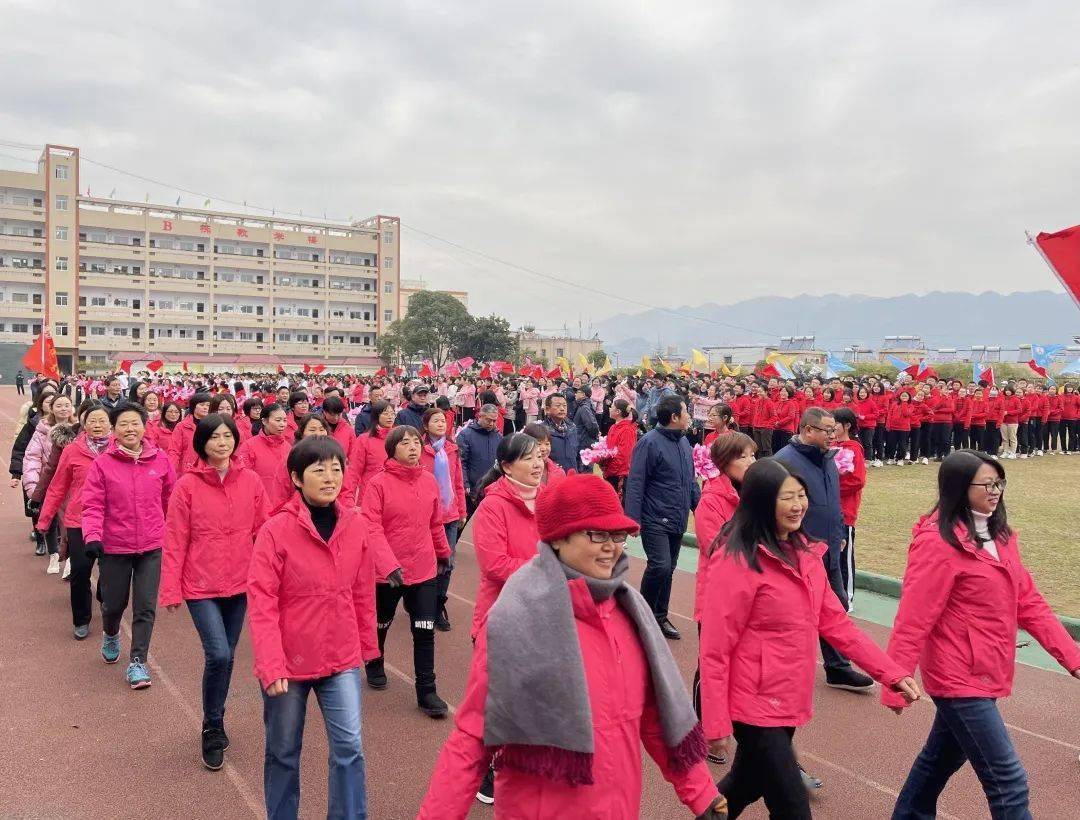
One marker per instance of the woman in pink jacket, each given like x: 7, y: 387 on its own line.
x: 552, y: 472
x: 64, y: 497
x: 570, y: 677
x: 965, y: 593
x: 214, y: 514
x: 180, y: 450
x: 768, y: 601
x: 161, y: 429
x: 55, y: 409
x: 311, y: 614
x: 266, y: 453
x: 125, y: 496
x: 404, y: 516
x: 224, y: 404
x: 368, y: 452
x: 440, y: 458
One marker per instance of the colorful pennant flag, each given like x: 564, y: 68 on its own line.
x: 41, y: 357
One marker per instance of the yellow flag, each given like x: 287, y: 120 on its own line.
x: 646, y: 363
x: 563, y: 363
x: 684, y: 368
x: 787, y: 360
x: 583, y: 363
x: 605, y: 369
x: 699, y: 360
x: 731, y: 371
x: 663, y: 366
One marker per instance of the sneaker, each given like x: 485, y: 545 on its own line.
x: 848, y: 678
x: 432, y: 705
x: 811, y: 783
x: 442, y: 621
x: 54, y: 565
x: 66, y: 574
x: 138, y: 677
x: 486, y: 795
x: 33, y: 536
x: 925, y: 460
x: 81, y: 631
x: 877, y: 462
x: 110, y: 647
x: 717, y: 759
x: 41, y: 547
x: 376, y: 674
x: 668, y: 629
x: 213, y: 748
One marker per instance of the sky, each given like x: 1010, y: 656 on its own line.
x: 578, y: 152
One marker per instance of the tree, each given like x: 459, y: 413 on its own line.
x: 597, y: 358
x: 392, y: 346
x: 488, y: 338
x: 434, y: 326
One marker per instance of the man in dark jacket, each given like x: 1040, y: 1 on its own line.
x: 477, y: 444
x: 586, y: 423
x: 660, y: 492
x: 20, y: 383
x: 363, y: 418
x: 809, y: 456
x: 413, y: 413
x: 564, y: 435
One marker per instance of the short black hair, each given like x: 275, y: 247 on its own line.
x: 251, y: 404
x: 270, y: 408
x: 126, y: 407
x: 196, y: 399
x: 305, y: 421
x: 220, y: 399
x: 333, y: 404
x: 667, y: 408
x: 206, y: 427
x: 393, y: 439
x: 311, y: 451
x: 296, y: 397
x: 551, y: 397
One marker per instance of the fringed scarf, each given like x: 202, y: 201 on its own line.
x: 442, y: 472
x: 537, y: 713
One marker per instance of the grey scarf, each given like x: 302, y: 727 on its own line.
x: 537, y: 713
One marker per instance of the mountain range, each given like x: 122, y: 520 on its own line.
x: 941, y: 319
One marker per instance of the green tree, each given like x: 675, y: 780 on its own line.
x: 597, y: 358
x: 486, y: 339
x: 392, y: 345
x: 434, y: 325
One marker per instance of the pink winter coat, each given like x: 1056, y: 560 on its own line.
x: 401, y: 511
x: 959, y: 612
x: 209, y: 531
x: 366, y: 458
x: 456, y: 511
x: 125, y: 499
x: 624, y: 715
x: 266, y: 456
x: 504, y: 538
x: 717, y: 506
x: 37, y: 453
x: 180, y: 450
x: 342, y: 433
x: 311, y: 604
x: 759, y: 640
x: 67, y: 484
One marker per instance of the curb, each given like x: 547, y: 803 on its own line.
x: 887, y: 585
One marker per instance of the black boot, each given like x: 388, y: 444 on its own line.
x: 431, y: 704
x: 213, y: 747
x: 442, y: 620
x: 376, y: 674
x: 41, y: 547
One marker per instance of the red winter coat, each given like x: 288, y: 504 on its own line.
x: 624, y: 716
x: 787, y: 415
x: 742, y: 410
x: 366, y: 458
x: 124, y: 499
x: 962, y: 410
x: 552, y: 472
x: 623, y: 435
x: 943, y: 405
x: 716, y: 507
x: 209, y: 531
x: 342, y: 433
x: 1055, y: 405
x: 977, y: 409
x: 995, y: 410
x: 868, y: 411
x: 159, y: 434
x: 266, y: 457
x: 311, y: 604
x: 1013, y: 407
x: 504, y: 538
x: 899, y: 417
x: 851, y: 484
x: 1070, y: 406
x: 959, y: 612
x: 403, y: 518
x: 67, y: 485
x: 759, y: 640
x: 921, y: 413
x: 456, y: 511
x: 180, y: 449
x: 762, y: 413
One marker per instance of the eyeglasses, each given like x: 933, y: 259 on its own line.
x: 991, y: 486
x: 829, y: 431
x: 602, y: 537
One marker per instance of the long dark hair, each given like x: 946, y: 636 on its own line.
x: 511, y: 448
x: 954, y: 481
x: 754, y: 522
x: 373, y: 418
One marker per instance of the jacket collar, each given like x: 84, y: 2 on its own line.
x: 505, y: 490
x: 211, y: 476
x: 296, y: 506
x: 721, y: 485
x: 402, y: 471
x: 810, y: 452
x: 668, y: 433
x: 149, y: 451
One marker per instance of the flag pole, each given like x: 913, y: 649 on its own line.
x: 1035, y: 244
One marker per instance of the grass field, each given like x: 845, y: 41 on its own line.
x: 1043, y: 499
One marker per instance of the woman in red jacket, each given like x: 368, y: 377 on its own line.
x: 965, y: 593
x: 179, y: 450
x: 440, y: 458
x: 311, y: 613
x: 785, y: 419
x: 225, y: 405
x: 1070, y: 419
x: 977, y: 412
x: 852, y: 480
x: 570, y: 677
x: 215, y: 512
x: 995, y: 421
x: 867, y: 411
x: 404, y: 515
x: 622, y: 436
x: 552, y: 471
x: 1052, y: 436
x: 266, y: 455
x: 368, y: 453
x: 171, y: 415
x: 767, y: 603
x: 898, y: 427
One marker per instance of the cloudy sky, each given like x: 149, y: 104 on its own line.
x: 670, y: 153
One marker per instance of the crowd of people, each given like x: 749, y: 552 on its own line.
x: 311, y: 507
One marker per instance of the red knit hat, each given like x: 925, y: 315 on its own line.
x: 577, y: 503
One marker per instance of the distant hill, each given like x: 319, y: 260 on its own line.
x: 941, y: 319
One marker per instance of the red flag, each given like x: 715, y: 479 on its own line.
x: 769, y: 371
x: 554, y: 373
x: 155, y: 365
x: 319, y: 368
x: 126, y: 364
x: 498, y: 367
x: 41, y: 357
x: 381, y: 371
x: 1037, y: 368
x: 398, y: 371
x: 426, y: 371
x: 926, y: 372
x: 453, y: 370
x: 988, y: 376
x: 281, y: 368
x: 466, y: 362
x: 184, y: 365
x: 1061, y: 251
x: 307, y: 368
x: 485, y: 372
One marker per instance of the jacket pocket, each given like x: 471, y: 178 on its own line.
x: 988, y: 659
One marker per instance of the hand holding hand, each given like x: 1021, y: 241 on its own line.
x: 908, y: 689
x: 721, y: 747
x: 395, y: 578
x: 443, y: 566
x: 172, y: 607
x: 278, y: 687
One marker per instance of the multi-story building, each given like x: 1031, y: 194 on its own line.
x: 549, y: 348
x: 115, y: 280
x: 410, y: 287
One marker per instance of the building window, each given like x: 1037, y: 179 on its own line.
x: 97, y: 331
x: 61, y: 202
x: 20, y: 328
x: 559, y: 352
x: 61, y: 328
x: 61, y: 299
x: 388, y: 262
x: 247, y: 336
x: 388, y: 315
x: 60, y: 172
x: 388, y: 238
x: 226, y: 335
x: 388, y: 287
x: 119, y: 331
x: 61, y: 263
x: 61, y: 232
x: 20, y: 298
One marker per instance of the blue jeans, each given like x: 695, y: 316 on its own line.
x: 283, y: 717
x: 442, y: 583
x: 662, y: 549
x: 218, y: 622
x: 966, y: 729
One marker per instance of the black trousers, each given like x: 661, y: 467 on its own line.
x: 763, y: 439
x: 940, y: 438
x: 765, y: 767
x: 662, y: 550
x: 897, y: 445
x: 991, y: 442
x: 1052, y: 437
x: 959, y: 436
x: 977, y: 437
x: 780, y: 438
x: 924, y: 441
x: 866, y: 439
x: 136, y: 574
x: 880, y: 436
x: 20, y: 388
x: 420, y: 603
x: 1035, y: 435
x: 82, y: 566
x: 1022, y: 446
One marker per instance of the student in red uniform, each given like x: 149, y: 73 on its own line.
x: 215, y: 512
x: 852, y: 482
x: 978, y: 408
x: 761, y: 420
x: 882, y: 400
x: 720, y: 422
x: 965, y: 594
x: 368, y: 453
x: 866, y: 414
x: 922, y: 428
x: 898, y: 426
x: 995, y: 420
x: 961, y: 421
x: 1010, y: 427
x: 622, y: 436
x: 1070, y: 419
x: 742, y: 408
x: 311, y: 615
x: 785, y: 419
x: 768, y: 602
x: 1052, y: 437
x: 403, y: 514
x: 266, y: 455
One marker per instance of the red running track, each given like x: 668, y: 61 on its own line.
x: 79, y: 743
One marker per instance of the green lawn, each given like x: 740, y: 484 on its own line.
x: 1043, y: 501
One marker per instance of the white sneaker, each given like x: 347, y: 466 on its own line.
x: 54, y: 565
x: 67, y: 570
x: 1022, y: 455
x: 925, y: 460
x: 877, y: 462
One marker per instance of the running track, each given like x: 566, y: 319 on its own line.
x: 78, y: 743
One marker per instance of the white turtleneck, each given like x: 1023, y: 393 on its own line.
x: 982, y: 529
